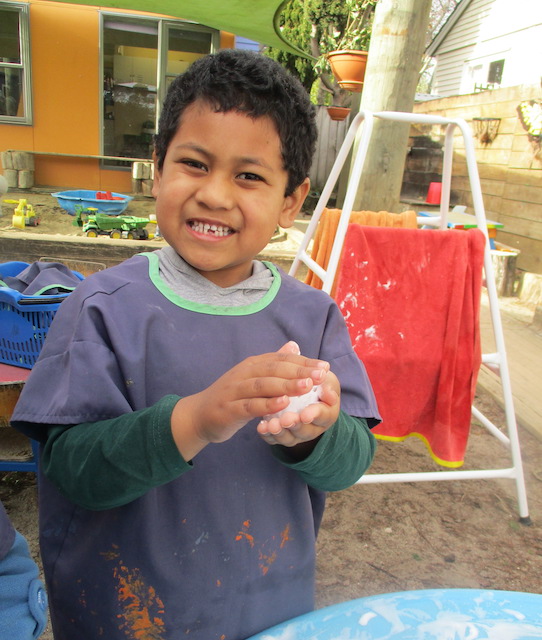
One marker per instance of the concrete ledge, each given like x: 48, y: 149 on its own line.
x: 18, y: 245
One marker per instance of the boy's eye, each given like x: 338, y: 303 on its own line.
x: 194, y: 163
x: 249, y: 176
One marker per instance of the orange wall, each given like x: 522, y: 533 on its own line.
x: 65, y: 60
x: 227, y: 40
x: 65, y: 71
x: 65, y: 66
x: 79, y: 173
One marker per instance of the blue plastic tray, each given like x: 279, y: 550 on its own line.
x: 432, y: 614
x: 24, y: 320
x: 68, y: 200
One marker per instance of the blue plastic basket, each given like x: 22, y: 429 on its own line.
x: 68, y: 200
x: 24, y: 320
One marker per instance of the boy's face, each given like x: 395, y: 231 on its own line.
x: 220, y: 194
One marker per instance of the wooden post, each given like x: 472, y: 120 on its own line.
x: 393, y: 67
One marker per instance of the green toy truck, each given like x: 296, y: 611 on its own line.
x: 100, y: 224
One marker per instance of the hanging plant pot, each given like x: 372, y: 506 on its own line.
x: 338, y: 113
x: 348, y: 68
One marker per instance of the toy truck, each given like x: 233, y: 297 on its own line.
x: 24, y: 214
x: 96, y: 224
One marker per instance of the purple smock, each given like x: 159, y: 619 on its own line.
x: 228, y: 548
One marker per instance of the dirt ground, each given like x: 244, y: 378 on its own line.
x: 382, y: 538
x: 54, y: 220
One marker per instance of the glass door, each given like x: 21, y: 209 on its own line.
x: 182, y: 44
x: 130, y: 61
x: 140, y: 58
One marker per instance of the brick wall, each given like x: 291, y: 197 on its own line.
x: 510, y: 166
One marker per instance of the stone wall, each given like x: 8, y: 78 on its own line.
x: 142, y: 178
x: 18, y: 169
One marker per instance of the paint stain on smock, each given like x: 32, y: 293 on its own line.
x: 142, y: 609
x: 243, y: 534
x: 268, y: 550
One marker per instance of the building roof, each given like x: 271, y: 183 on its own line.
x: 447, y: 27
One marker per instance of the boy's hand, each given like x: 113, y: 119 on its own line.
x: 291, y: 429
x: 257, y: 386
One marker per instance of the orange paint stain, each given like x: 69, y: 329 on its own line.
x: 266, y: 561
x: 285, y: 536
x: 141, y: 607
x: 244, y: 535
x: 110, y: 555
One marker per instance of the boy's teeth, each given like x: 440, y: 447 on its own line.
x: 213, y: 229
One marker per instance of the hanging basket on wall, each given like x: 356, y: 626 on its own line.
x: 486, y: 129
x: 338, y: 113
x: 348, y: 68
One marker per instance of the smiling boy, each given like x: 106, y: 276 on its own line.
x: 169, y: 508
x: 220, y: 191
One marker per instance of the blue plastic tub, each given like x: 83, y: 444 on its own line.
x: 24, y: 320
x: 68, y: 200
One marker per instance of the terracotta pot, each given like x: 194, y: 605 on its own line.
x: 349, y: 68
x: 338, y: 113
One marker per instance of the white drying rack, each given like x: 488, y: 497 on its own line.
x: 359, y: 135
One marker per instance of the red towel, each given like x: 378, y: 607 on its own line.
x: 411, y: 299
x: 327, y: 228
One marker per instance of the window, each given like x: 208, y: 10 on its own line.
x: 15, y: 102
x: 494, y: 75
x: 140, y: 57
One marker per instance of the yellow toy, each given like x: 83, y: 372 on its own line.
x: 24, y: 214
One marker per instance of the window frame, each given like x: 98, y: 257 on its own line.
x: 495, y: 71
x: 23, y: 9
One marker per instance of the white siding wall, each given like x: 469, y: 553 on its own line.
x: 487, y: 31
x: 449, y: 71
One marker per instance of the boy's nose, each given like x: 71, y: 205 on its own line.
x: 216, y: 192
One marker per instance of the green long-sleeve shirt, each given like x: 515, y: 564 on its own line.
x: 106, y: 464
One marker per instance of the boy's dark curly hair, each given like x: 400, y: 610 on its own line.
x: 246, y: 81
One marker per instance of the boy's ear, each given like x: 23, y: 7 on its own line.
x: 293, y: 204
x: 157, y: 176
